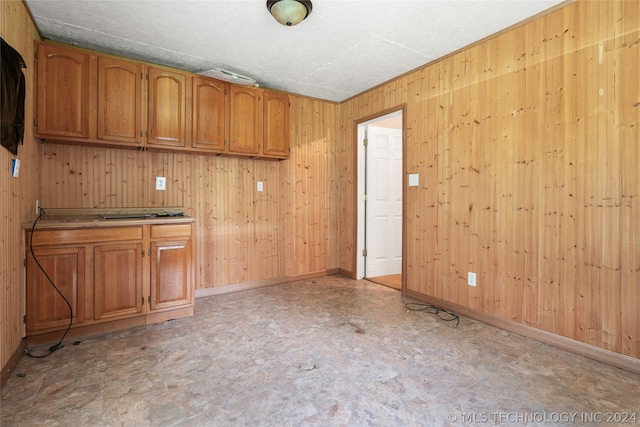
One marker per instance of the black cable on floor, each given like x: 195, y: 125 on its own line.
x: 432, y: 309
x: 59, y: 344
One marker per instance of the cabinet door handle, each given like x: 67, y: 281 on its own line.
x: 142, y: 300
x: 143, y: 253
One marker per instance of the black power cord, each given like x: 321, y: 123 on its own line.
x: 432, y: 309
x: 59, y: 344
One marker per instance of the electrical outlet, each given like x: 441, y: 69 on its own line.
x: 37, y: 207
x: 471, y: 279
x: 161, y: 183
x: 259, y: 186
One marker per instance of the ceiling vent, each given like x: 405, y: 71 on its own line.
x: 229, y: 76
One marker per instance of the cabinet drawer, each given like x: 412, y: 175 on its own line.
x: 85, y: 235
x: 170, y: 230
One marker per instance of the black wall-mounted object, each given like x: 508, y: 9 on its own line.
x: 13, y: 93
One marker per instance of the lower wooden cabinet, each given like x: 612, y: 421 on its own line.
x: 65, y: 266
x: 109, y: 274
x: 117, y: 280
x: 171, y: 281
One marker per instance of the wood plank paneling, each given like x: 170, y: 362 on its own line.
x: 526, y: 146
x: 527, y: 150
x: 627, y: 109
x: 18, y: 194
x: 242, y: 235
x: 308, y: 190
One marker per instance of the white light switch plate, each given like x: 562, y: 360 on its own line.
x: 413, y: 180
x: 471, y: 279
x: 259, y: 186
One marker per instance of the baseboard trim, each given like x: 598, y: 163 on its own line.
x: 334, y: 271
x: 244, y: 286
x: 163, y: 316
x: 583, y: 349
x: 347, y: 273
x: 82, y: 331
x: 11, y: 364
x: 313, y: 275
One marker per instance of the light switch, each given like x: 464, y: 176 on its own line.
x: 471, y: 278
x: 259, y: 186
x: 15, y: 168
x: 413, y: 180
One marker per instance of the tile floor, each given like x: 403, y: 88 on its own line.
x: 332, y: 353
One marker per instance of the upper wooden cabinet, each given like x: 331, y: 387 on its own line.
x: 209, y: 114
x: 167, y: 107
x: 89, y: 98
x: 275, y: 141
x: 84, y: 97
x: 99, y: 99
x: 120, y: 94
x: 66, y: 92
x: 258, y: 122
x: 245, y: 120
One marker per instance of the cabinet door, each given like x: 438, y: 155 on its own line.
x: 209, y: 112
x: 117, y: 280
x: 171, y: 274
x: 244, y: 120
x: 119, y: 100
x: 167, y: 108
x: 45, y: 307
x: 64, y: 104
x: 276, y: 125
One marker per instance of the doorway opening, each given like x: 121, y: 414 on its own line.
x: 380, y: 204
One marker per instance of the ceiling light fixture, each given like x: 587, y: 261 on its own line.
x: 289, y: 12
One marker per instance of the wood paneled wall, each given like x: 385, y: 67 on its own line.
x: 310, y: 188
x: 18, y: 195
x: 241, y: 235
x: 528, y: 147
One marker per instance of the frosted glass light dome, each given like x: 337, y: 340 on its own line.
x: 289, y: 12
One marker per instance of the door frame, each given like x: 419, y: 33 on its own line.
x: 358, y: 203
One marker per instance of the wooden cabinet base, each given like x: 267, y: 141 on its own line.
x: 163, y: 316
x: 114, y: 274
x: 83, y: 331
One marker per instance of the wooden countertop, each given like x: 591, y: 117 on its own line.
x: 113, y: 217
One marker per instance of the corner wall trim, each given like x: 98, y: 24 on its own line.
x: 346, y: 273
x: 608, y: 357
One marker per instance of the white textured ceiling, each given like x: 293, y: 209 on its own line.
x: 343, y: 48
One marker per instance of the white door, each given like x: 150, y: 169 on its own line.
x: 383, y: 232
